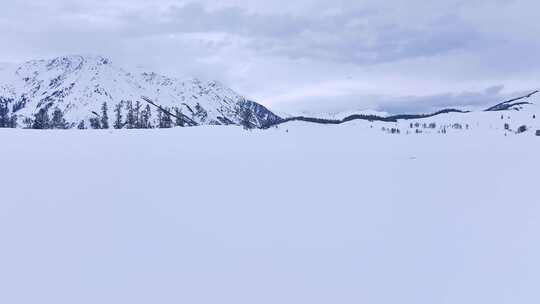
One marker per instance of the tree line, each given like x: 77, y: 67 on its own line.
x: 127, y: 115
x: 6, y: 120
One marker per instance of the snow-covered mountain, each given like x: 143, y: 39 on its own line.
x: 79, y: 85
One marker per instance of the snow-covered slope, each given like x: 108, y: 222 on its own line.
x: 517, y: 119
x: 79, y: 85
x: 524, y: 119
x: 319, y: 214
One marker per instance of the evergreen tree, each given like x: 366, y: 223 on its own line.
x: 41, y: 120
x: 245, y: 118
x: 95, y: 123
x: 58, y: 121
x: 179, y: 122
x: 104, y: 116
x: 28, y: 123
x: 166, y: 121
x: 200, y: 112
x: 13, y: 121
x: 81, y: 125
x: 130, y: 117
x: 137, y: 122
x: 145, y: 118
x: 118, y: 116
x: 4, y: 117
x: 160, y: 118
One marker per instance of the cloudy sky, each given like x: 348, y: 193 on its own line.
x: 301, y: 55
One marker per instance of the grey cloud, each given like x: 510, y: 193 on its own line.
x: 335, y: 37
x: 462, y: 100
x: 267, y: 49
x: 467, y: 100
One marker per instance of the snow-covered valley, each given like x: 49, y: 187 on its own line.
x: 299, y: 213
x: 269, y: 152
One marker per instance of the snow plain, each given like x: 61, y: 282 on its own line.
x: 295, y: 214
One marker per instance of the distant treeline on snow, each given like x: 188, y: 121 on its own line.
x: 512, y: 104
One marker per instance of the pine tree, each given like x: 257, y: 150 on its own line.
x: 167, y: 119
x: 4, y: 117
x: 95, y: 123
x: 58, y: 121
x: 28, y: 123
x: 145, y: 118
x: 160, y: 118
x: 13, y: 121
x: 104, y: 116
x: 200, y: 112
x: 118, y: 116
x: 245, y: 118
x: 41, y: 120
x: 81, y: 125
x: 179, y: 122
x: 137, y: 122
x: 130, y: 117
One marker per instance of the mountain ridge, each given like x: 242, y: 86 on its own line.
x: 79, y: 85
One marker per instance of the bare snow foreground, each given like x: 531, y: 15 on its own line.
x: 319, y: 214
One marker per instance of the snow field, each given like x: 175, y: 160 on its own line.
x: 298, y: 214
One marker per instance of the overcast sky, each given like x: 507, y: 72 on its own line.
x: 301, y: 55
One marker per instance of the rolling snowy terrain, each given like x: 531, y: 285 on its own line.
x: 372, y: 209
x: 270, y: 152
x: 299, y: 213
x: 79, y: 85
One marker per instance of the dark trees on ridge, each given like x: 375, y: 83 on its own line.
x: 118, y: 124
x: 104, y: 116
x: 41, y: 120
x: 58, y: 121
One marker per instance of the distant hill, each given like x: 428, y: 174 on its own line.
x: 79, y: 85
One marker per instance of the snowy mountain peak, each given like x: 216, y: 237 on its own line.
x: 80, y: 85
x: 65, y: 64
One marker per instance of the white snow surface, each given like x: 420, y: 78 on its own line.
x: 301, y: 213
